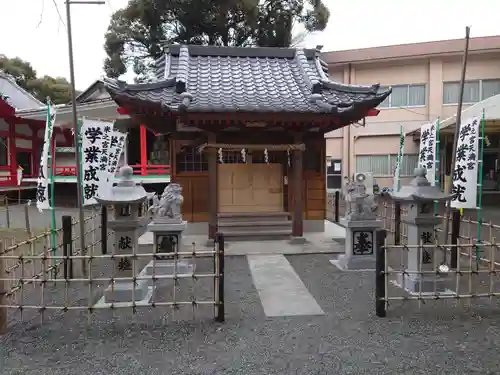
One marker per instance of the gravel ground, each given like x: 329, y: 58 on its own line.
x: 438, y: 338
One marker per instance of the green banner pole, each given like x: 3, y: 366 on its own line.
x: 480, y: 190
x: 80, y: 150
x: 436, y: 163
x: 51, y: 164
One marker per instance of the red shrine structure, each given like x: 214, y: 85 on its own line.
x: 21, y: 141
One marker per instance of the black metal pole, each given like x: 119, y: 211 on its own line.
x: 337, y: 202
x: 397, y: 223
x: 104, y: 229
x: 220, y: 317
x: 67, y: 247
x: 455, y: 233
x: 380, y: 292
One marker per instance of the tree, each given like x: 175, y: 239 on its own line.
x: 58, y: 89
x: 278, y: 18
x: 136, y: 33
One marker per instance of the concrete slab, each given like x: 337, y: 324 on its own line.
x: 281, y: 291
x: 445, y: 292
x: 315, y: 243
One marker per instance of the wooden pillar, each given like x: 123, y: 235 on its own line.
x: 298, y: 194
x: 12, y: 153
x: 172, y: 155
x: 144, y: 149
x: 212, y: 188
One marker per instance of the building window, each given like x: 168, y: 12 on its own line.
x: 191, y: 160
x: 384, y: 165
x: 451, y: 92
x: 490, y: 87
x: 333, y: 174
x: 405, y: 96
x: 4, y: 151
x: 474, y: 91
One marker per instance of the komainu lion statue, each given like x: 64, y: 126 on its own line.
x: 168, y: 206
x: 360, y: 205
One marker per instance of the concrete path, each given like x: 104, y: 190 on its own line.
x: 329, y: 241
x: 280, y: 289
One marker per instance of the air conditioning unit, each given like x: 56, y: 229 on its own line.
x: 367, y: 179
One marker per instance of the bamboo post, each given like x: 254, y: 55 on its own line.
x: 27, y: 218
x: 480, y: 190
x: 3, y: 292
x: 7, y: 211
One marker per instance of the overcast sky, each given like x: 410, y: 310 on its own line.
x: 32, y: 30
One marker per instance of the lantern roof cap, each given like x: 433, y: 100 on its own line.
x: 125, y: 191
x: 420, y: 189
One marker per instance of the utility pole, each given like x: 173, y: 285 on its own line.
x: 76, y: 128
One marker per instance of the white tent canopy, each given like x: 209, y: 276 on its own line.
x: 491, y: 108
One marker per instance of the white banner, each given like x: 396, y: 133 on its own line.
x: 466, y: 165
x: 96, y: 139
x: 399, y: 161
x: 42, y: 189
x: 115, y: 151
x: 427, y: 153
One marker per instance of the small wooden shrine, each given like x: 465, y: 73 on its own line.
x: 246, y: 127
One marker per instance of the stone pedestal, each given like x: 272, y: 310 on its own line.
x: 359, y: 244
x: 421, y: 231
x: 167, y: 238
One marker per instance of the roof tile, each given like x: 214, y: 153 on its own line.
x: 228, y: 79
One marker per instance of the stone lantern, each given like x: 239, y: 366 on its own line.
x: 419, y: 197
x: 127, y: 223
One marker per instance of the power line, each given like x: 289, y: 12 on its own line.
x: 41, y: 14
x: 61, y: 20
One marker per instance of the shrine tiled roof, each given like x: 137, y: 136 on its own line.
x: 232, y: 79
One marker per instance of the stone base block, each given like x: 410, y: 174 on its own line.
x: 355, y: 262
x: 422, y: 284
x: 122, y: 291
x: 298, y: 241
x: 162, y: 268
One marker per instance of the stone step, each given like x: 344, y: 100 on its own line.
x: 255, y: 223
x: 253, y: 216
x: 258, y: 235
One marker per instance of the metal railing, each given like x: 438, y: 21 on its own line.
x: 46, y: 274
x: 138, y: 169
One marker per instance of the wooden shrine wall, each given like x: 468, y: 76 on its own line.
x: 192, y: 174
x: 195, y: 191
x: 314, y: 196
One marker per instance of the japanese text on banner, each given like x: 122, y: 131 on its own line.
x: 42, y: 189
x: 95, y: 145
x: 399, y: 161
x: 427, y: 153
x: 117, y: 143
x: 465, y: 171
